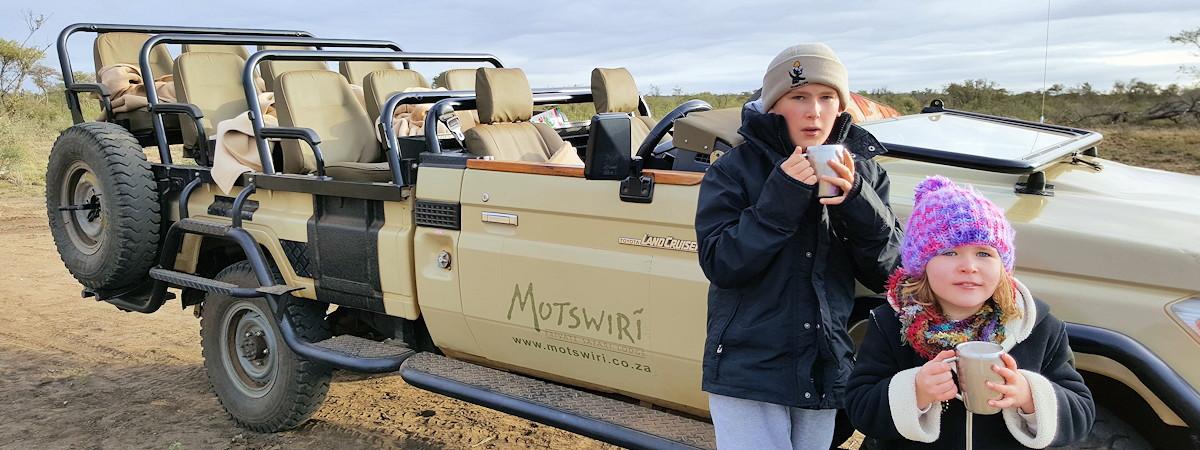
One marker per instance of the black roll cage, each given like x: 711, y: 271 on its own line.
x: 64, y: 59
x: 157, y: 109
x: 261, y: 132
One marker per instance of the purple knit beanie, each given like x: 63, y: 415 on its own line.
x: 946, y: 216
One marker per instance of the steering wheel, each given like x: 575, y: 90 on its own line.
x: 668, y: 121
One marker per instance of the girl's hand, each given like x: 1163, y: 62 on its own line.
x: 844, y: 167
x: 1015, y: 390
x: 934, y: 381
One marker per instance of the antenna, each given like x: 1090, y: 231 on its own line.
x: 1045, y: 63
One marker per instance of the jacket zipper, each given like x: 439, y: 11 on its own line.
x: 721, y: 338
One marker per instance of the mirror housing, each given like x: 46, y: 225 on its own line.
x: 609, y: 147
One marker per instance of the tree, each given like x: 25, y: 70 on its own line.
x: 1191, y: 39
x: 20, y: 62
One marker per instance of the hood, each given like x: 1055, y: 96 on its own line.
x: 1122, y: 223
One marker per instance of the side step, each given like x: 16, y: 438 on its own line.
x: 188, y: 280
x: 361, y: 348
x: 613, y: 421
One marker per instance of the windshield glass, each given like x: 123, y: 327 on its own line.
x: 967, y: 135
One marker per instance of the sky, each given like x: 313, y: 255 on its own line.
x: 714, y: 46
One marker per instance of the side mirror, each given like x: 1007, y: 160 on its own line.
x: 608, y: 157
x: 610, y: 144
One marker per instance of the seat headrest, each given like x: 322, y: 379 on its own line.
x: 355, y: 71
x: 503, y: 95
x: 123, y: 48
x: 456, y: 80
x: 613, y: 90
x: 234, y: 49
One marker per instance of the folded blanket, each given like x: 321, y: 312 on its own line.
x: 237, y: 150
x: 128, y: 90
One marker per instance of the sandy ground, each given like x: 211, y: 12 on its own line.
x: 75, y: 373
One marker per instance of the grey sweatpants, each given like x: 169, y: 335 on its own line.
x: 754, y: 425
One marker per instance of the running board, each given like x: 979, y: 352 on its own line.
x: 609, y: 420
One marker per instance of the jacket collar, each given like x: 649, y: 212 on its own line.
x: 769, y: 130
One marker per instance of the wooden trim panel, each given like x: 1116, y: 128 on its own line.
x: 561, y: 170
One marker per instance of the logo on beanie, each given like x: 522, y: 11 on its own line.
x: 797, y: 74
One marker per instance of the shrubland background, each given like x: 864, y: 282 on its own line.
x: 1144, y: 124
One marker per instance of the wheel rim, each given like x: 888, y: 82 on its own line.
x: 248, y: 348
x: 85, y: 227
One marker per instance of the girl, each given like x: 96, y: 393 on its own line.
x: 956, y: 285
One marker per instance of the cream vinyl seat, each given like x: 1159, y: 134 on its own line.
x: 456, y: 80
x: 505, y: 104
x: 322, y: 100
x: 233, y: 49
x: 356, y: 71
x: 381, y: 84
x: 123, y: 48
x: 212, y: 82
x: 614, y: 91
x: 272, y: 69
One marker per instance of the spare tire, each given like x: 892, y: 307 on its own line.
x: 102, y: 203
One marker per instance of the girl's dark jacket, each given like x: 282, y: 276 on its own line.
x: 881, y: 399
x: 782, y: 267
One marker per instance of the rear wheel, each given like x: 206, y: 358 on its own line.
x: 260, y: 382
x: 102, y: 204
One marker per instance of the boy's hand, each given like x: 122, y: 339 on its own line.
x: 844, y: 167
x: 1015, y: 390
x: 934, y: 381
x: 798, y: 167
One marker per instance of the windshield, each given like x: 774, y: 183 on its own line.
x: 967, y: 135
x: 978, y: 141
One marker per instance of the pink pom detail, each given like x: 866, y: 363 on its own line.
x: 931, y: 184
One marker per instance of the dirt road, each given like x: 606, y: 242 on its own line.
x: 75, y: 373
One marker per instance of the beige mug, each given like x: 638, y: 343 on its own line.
x: 973, y: 363
x: 819, y: 156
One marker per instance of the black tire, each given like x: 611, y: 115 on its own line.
x: 113, y: 246
x: 1111, y: 433
x: 267, y: 392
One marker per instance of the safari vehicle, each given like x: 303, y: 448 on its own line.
x: 565, y: 294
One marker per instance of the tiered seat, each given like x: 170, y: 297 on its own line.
x: 322, y: 100
x: 505, y: 104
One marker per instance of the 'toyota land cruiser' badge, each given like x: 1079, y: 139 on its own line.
x: 663, y: 242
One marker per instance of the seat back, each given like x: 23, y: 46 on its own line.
x: 212, y: 82
x: 355, y: 71
x: 614, y: 91
x: 456, y: 80
x: 505, y: 104
x: 459, y: 80
x: 323, y: 101
x: 124, y: 48
x: 233, y: 49
x: 272, y: 69
x: 381, y: 84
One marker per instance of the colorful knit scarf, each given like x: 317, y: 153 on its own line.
x: 929, y: 332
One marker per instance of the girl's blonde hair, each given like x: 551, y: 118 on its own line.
x: 1005, y: 296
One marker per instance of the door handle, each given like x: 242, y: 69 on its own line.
x: 500, y: 218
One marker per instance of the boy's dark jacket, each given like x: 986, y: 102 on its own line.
x: 881, y: 397
x: 782, y: 268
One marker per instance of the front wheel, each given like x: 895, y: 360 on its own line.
x: 259, y: 381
